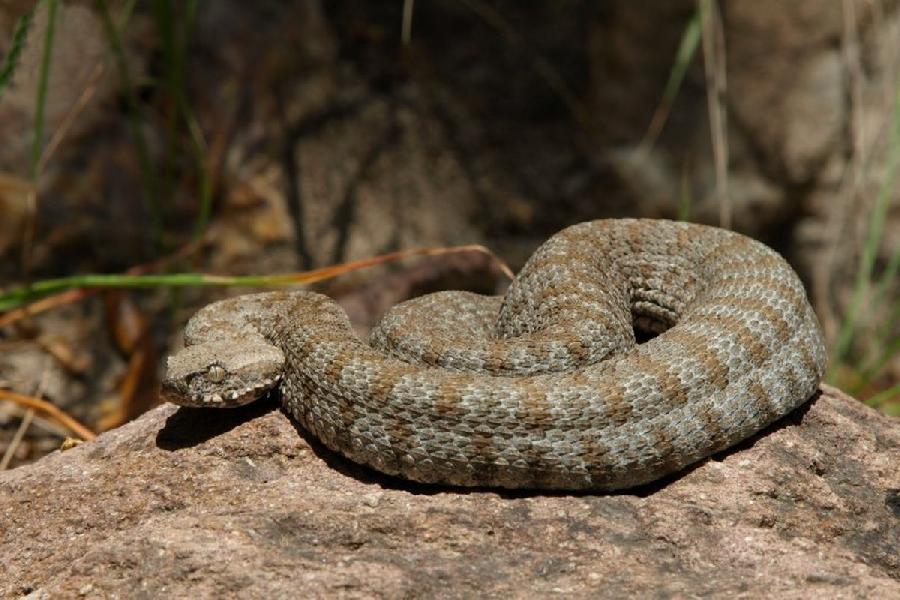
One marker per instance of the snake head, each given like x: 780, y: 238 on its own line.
x: 222, y: 373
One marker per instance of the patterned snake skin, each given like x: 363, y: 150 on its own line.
x: 545, y: 387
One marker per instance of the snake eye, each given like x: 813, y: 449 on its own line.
x: 216, y: 374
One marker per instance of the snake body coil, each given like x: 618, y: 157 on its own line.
x: 545, y: 387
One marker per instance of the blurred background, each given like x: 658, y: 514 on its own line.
x: 249, y: 138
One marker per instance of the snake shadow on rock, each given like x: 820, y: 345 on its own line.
x: 189, y: 427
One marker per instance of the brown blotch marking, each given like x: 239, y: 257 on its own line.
x: 578, y: 377
x: 578, y: 350
x: 591, y: 249
x: 540, y: 262
x: 560, y: 289
x: 598, y: 458
x: 336, y: 364
x: 673, y: 391
x: 750, y: 341
x: 685, y: 237
x: 637, y: 234
x: 608, y: 314
x: 482, y: 443
x: 496, y: 360
x: 574, y: 251
x: 768, y: 312
x: 448, y: 397
x: 380, y: 392
x: 773, y: 316
x: 435, y: 352
x: 332, y: 323
x: 712, y: 425
x: 401, y: 434
x: 698, y: 345
x: 746, y: 338
x: 771, y: 262
x: 583, y: 254
x: 795, y: 298
x: 380, y: 389
x: 667, y: 458
x: 580, y: 237
x: 646, y: 269
x: 761, y: 400
x: 809, y: 361
x: 535, y: 408
x: 735, y: 244
x: 617, y: 406
x: 347, y: 409
x: 792, y: 384
x: 300, y: 348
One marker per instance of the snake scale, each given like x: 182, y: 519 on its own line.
x: 545, y: 387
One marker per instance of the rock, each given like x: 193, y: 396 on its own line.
x: 240, y: 503
x: 787, y: 84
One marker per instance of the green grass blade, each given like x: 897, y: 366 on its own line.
x: 887, y: 278
x: 884, y: 348
x: 687, y: 49
x: 198, y: 145
x: 690, y: 40
x: 190, y: 12
x: 19, y: 296
x: 37, y: 145
x: 195, y: 133
x: 887, y: 351
x: 8, y: 68
x: 135, y: 120
x: 883, y: 396
x: 872, y: 242
x: 174, y: 28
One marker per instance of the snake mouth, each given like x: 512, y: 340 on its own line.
x: 182, y: 395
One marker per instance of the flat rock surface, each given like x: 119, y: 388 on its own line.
x: 241, y: 503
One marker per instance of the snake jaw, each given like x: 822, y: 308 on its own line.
x: 222, y: 373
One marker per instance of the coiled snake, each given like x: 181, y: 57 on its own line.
x: 545, y: 387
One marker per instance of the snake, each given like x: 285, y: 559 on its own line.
x: 623, y: 351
